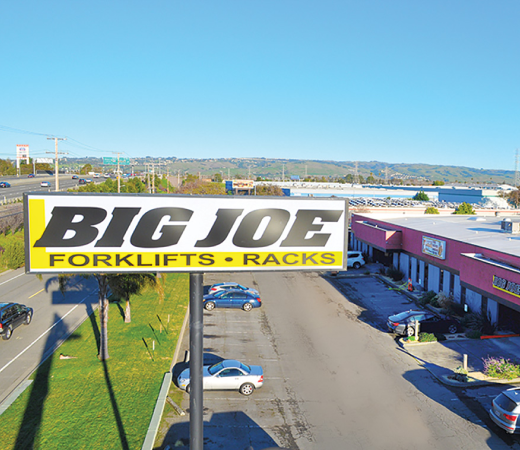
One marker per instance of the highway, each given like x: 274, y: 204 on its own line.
x: 22, y: 184
x: 55, y: 317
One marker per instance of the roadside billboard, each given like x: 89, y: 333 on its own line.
x: 109, y: 233
x: 22, y: 154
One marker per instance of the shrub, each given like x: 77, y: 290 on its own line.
x: 460, y: 374
x: 427, y: 337
x: 479, y: 322
x: 473, y: 334
x: 500, y: 368
x: 431, y: 210
x: 14, y: 254
x: 427, y: 297
x: 464, y: 208
x: 394, y: 273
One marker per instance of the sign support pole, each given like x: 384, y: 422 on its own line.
x: 196, y: 361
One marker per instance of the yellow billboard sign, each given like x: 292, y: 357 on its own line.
x: 102, y: 233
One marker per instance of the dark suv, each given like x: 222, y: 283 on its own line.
x: 12, y: 315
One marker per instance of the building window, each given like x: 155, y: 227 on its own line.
x: 441, y: 280
x: 410, y: 267
x: 418, y: 271
x: 426, y: 275
x: 452, y: 281
x: 462, y: 295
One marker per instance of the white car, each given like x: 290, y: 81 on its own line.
x: 355, y: 260
x: 45, y: 184
x: 228, y: 374
x: 230, y: 285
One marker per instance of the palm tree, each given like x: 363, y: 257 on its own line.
x: 123, y: 285
x: 127, y: 284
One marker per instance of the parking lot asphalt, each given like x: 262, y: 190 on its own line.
x: 441, y: 358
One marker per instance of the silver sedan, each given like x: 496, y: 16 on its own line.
x: 228, y: 374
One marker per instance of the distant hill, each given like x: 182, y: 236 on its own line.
x: 278, y: 168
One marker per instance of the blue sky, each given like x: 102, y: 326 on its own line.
x: 401, y: 81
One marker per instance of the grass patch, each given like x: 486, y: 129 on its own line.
x: 84, y: 403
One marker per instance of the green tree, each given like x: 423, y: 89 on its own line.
x: 269, y: 189
x: 86, y: 169
x: 421, y: 196
x: 431, y: 210
x: 438, y: 183
x: 464, y: 208
x: 199, y: 187
x: 125, y: 285
x: 217, y: 178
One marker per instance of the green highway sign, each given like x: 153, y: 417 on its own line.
x: 113, y: 161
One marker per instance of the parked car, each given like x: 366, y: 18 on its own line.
x: 355, y: 259
x: 45, y: 184
x: 4, y: 184
x: 12, y: 315
x: 228, y: 374
x: 31, y: 175
x: 234, y: 298
x: 75, y: 177
x: 505, y: 410
x: 230, y: 285
x: 403, y: 324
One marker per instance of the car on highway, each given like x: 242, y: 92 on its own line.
x: 75, y: 177
x: 403, y: 324
x: 229, y: 285
x: 82, y: 181
x: 45, y: 184
x: 228, y: 374
x: 31, y: 175
x: 505, y: 410
x: 355, y: 259
x: 12, y: 315
x: 233, y: 298
x: 88, y: 180
x: 4, y: 184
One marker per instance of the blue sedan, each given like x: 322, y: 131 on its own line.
x: 234, y: 298
x: 4, y: 184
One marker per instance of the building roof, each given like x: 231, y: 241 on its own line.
x: 481, y: 231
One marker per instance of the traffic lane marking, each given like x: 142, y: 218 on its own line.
x: 41, y: 290
x: 17, y: 276
x: 42, y: 335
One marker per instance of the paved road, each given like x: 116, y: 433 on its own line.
x: 334, y: 379
x: 55, y: 317
x: 22, y: 184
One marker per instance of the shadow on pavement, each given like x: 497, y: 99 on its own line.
x: 230, y: 430
x: 465, y: 402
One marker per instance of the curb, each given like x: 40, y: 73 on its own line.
x: 155, y: 421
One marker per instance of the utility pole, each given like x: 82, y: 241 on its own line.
x: 118, y: 172
x: 152, y: 190
x: 283, y: 173
x: 517, y: 182
x: 57, y: 178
